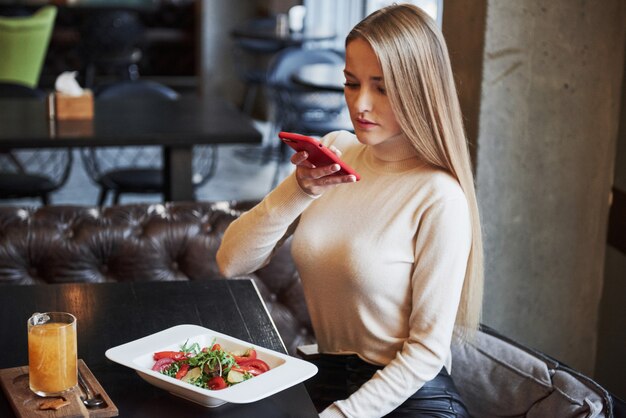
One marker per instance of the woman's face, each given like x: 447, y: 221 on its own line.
x: 369, y: 106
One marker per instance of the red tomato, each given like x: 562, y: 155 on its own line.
x: 257, y: 364
x: 216, y: 383
x: 175, y: 355
x: 182, y: 371
x: 162, y: 364
x: 216, y: 347
x: 249, y: 355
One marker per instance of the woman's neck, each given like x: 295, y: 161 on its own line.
x: 395, y: 148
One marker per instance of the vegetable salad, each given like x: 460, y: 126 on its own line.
x: 209, y: 368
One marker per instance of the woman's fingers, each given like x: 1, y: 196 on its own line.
x: 320, y: 172
x: 299, y: 158
x: 335, y: 150
x: 315, y: 180
x: 308, y: 170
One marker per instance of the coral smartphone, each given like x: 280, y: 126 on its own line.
x: 319, y: 155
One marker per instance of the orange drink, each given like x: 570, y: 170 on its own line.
x: 52, y: 353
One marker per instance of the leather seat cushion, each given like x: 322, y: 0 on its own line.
x: 134, y: 180
x: 18, y: 184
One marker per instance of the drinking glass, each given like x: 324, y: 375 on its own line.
x: 52, y: 353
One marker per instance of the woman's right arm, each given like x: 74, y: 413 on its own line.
x: 249, y: 241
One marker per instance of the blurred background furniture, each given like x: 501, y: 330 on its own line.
x: 13, y: 90
x: 257, y: 41
x: 168, y: 42
x: 496, y: 376
x: 111, y: 44
x: 139, y: 169
x: 321, y: 76
x: 23, y: 45
x: 35, y: 172
x: 176, y: 126
x: 298, y: 108
x: 251, y: 55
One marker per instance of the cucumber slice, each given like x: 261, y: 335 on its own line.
x: 235, y: 377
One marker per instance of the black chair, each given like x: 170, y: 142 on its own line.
x: 251, y: 57
x: 36, y: 172
x: 139, y: 169
x: 300, y: 109
x: 111, y: 44
x: 12, y: 91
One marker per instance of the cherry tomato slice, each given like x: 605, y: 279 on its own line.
x: 249, y: 355
x: 175, y: 355
x: 256, y: 363
x: 216, y: 383
x: 182, y: 371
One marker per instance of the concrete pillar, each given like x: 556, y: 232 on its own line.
x: 216, y: 64
x: 548, y: 124
x: 611, y: 362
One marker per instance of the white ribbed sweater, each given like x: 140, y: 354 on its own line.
x: 382, y: 263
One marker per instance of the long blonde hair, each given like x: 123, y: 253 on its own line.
x: 418, y: 78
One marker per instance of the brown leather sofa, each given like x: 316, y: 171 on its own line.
x: 154, y: 242
x: 146, y: 242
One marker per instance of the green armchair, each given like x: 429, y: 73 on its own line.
x: 23, y: 45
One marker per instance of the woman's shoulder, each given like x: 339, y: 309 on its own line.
x: 443, y: 186
x: 340, y: 139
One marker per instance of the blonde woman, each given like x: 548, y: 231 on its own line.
x: 391, y: 265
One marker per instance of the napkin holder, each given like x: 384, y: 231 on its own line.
x: 67, y: 107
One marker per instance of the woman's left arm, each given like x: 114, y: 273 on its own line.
x: 441, y: 255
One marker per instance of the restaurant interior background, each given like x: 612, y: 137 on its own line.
x: 542, y: 91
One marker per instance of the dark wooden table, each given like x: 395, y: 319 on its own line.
x: 321, y: 76
x: 175, y: 125
x: 110, y: 314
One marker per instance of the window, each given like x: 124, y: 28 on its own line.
x: 341, y: 16
x: 434, y: 8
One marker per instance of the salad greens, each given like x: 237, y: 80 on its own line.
x: 209, y: 368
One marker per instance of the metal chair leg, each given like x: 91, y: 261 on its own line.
x: 102, y: 196
x: 249, y: 98
x: 116, y: 197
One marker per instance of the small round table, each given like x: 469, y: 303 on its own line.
x: 285, y: 38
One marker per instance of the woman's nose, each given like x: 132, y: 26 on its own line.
x: 363, y: 101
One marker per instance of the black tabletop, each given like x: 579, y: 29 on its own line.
x: 184, y: 122
x: 285, y: 38
x: 110, y: 314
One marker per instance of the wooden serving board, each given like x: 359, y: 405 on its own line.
x: 26, y: 404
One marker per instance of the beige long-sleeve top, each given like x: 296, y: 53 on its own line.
x: 382, y: 263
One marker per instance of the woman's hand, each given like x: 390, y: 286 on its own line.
x: 315, y: 181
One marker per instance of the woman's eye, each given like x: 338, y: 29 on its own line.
x: 382, y: 90
x: 350, y: 85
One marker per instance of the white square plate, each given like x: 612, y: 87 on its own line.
x: 285, y: 371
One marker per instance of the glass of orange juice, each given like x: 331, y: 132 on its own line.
x: 52, y: 353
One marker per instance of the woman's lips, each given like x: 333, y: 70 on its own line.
x: 364, y: 123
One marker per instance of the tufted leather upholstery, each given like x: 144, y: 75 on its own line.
x: 175, y: 241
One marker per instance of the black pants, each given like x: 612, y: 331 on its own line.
x: 341, y: 375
